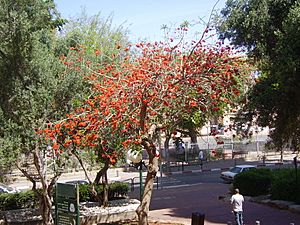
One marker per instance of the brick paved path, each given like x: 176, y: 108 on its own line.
x: 178, y: 204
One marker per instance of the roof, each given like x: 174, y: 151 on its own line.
x: 244, y: 166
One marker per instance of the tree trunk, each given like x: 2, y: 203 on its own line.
x: 101, y: 172
x: 193, y: 135
x: 105, y: 190
x: 45, y: 208
x: 144, y: 206
x: 46, y: 194
x: 281, y: 155
x: 194, y: 141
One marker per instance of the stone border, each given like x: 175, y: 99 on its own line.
x: 280, y: 204
x: 90, y: 213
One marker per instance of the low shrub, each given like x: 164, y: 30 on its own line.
x: 30, y: 199
x: 84, y: 192
x: 254, y: 182
x: 115, y: 190
x: 284, y: 185
x: 118, y: 190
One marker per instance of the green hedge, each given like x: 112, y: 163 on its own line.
x: 30, y: 199
x: 284, y: 185
x: 115, y: 190
x: 254, y: 182
x: 281, y: 183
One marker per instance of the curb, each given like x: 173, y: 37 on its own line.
x: 222, y: 169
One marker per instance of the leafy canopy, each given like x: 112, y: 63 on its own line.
x: 147, y: 91
x: 269, y: 31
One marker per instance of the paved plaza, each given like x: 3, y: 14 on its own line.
x: 178, y: 203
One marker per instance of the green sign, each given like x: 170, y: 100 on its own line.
x: 67, y: 204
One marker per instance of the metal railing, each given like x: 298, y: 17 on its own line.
x: 135, y: 182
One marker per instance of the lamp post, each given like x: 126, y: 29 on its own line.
x: 139, y: 167
x: 137, y: 159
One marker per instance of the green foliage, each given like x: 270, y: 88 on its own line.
x: 253, y: 182
x: 28, y: 199
x: 84, y: 193
x: 94, y: 34
x: 118, y: 189
x: 279, y: 183
x: 95, y: 39
x: 27, y: 73
x: 115, y: 190
x: 284, y: 185
x: 269, y: 31
x: 37, y: 87
x: 254, y: 24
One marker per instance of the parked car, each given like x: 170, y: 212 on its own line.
x: 7, y: 189
x: 77, y: 182
x: 228, y: 176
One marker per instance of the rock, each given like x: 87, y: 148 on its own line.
x: 118, y: 210
x: 280, y: 204
x: 294, y: 208
x: 259, y: 198
x: 266, y: 201
x: 22, y: 215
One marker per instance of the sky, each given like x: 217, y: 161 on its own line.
x: 144, y: 18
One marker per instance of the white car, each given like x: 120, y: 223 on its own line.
x: 7, y: 189
x: 77, y: 182
x: 229, y: 175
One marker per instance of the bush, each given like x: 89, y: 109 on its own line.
x: 118, y: 190
x: 115, y: 190
x: 84, y: 192
x: 28, y: 199
x: 254, y: 182
x: 284, y: 185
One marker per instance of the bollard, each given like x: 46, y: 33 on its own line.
x: 292, y: 224
x: 229, y: 223
x: 257, y: 222
x: 197, y: 218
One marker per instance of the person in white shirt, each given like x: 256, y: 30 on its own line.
x: 201, y: 157
x: 237, y: 204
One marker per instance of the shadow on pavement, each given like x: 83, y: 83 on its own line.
x: 178, y: 204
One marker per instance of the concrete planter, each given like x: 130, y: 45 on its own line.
x: 90, y: 213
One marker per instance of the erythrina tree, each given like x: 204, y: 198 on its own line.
x: 146, y: 94
x: 97, y: 35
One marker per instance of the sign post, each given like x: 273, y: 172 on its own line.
x: 67, y: 204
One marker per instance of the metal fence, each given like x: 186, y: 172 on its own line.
x: 212, y: 150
